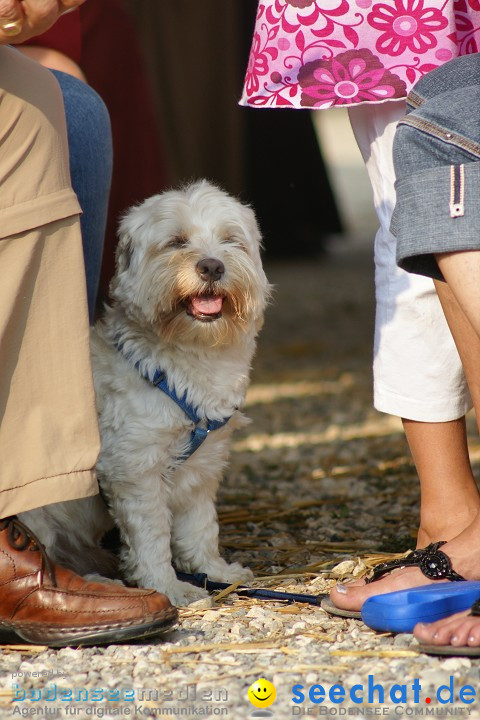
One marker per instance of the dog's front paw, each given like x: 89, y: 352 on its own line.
x: 183, y: 593
x: 238, y: 573
x: 229, y: 573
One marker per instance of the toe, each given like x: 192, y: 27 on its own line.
x: 349, y: 596
x: 453, y: 630
x: 473, y: 635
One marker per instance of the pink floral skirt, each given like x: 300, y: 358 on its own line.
x: 323, y: 53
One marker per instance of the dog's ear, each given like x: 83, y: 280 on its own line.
x: 251, y: 224
x: 124, y: 252
x: 130, y: 231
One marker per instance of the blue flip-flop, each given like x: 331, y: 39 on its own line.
x: 401, y: 611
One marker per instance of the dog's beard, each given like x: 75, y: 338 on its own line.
x: 230, y: 304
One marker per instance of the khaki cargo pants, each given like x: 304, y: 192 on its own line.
x: 48, y: 428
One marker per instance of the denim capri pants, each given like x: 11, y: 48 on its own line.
x: 436, y: 156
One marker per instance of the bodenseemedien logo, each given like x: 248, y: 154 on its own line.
x: 262, y: 694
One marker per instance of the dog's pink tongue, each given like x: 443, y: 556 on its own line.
x: 210, y: 305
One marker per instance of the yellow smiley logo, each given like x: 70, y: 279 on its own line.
x: 262, y: 693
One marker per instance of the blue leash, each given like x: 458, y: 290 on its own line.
x: 201, y: 580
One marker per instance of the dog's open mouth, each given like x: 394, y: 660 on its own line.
x: 205, y: 307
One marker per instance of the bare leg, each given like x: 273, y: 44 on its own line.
x: 461, y: 303
x: 462, y: 273
x: 449, y: 495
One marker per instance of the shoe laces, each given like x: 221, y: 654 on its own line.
x: 20, y: 537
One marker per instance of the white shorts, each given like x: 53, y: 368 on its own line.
x: 417, y: 371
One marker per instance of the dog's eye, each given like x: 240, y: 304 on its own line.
x: 232, y: 240
x: 177, y: 241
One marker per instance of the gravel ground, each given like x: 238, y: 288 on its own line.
x: 318, y: 478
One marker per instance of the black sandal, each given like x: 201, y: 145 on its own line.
x: 433, y: 563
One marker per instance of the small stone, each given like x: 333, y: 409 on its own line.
x: 202, y: 604
x: 256, y: 612
x: 344, y: 568
x: 453, y: 664
x: 298, y: 626
x: 402, y: 640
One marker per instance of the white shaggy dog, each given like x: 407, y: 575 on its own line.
x: 188, y: 299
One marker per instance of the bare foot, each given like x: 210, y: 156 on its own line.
x: 351, y: 596
x: 460, y: 630
x: 464, y: 555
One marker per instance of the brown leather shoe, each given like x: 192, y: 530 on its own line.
x: 45, y: 604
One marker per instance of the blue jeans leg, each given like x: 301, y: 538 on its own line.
x: 90, y: 145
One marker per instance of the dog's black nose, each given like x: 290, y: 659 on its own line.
x: 210, y: 269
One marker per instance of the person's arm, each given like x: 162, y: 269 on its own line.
x: 21, y: 20
x: 53, y: 59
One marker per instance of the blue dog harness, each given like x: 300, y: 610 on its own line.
x: 202, y: 426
